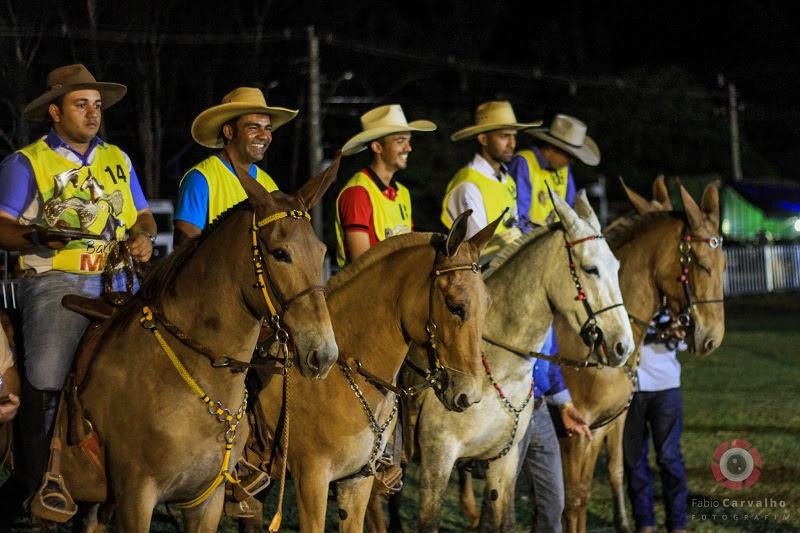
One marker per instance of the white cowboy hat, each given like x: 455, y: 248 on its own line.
x: 242, y: 101
x: 70, y: 78
x: 569, y: 134
x: 380, y: 122
x: 492, y: 116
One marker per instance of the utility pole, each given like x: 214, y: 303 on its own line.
x: 314, y: 122
x: 734, y: 116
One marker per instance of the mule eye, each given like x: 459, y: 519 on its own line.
x: 282, y: 256
x: 703, y: 268
x: 459, y: 310
x: 592, y: 270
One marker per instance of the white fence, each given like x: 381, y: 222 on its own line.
x: 762, y: 269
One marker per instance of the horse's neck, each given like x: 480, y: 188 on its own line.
x: 639, y: 262
x: 206, y: 302
x: 366, y: 317
x: 520, y: 313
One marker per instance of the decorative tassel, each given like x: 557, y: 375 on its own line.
x: 275, y: 525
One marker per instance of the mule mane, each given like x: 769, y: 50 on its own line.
x: 511, y: 250
x: 376, y: 253
x: 625, y: 229
x: 162, y: 276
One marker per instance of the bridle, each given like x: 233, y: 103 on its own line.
x: 591, y: 333
x: 684, y: 320
x: 281, y: 332
x: 436, y: 375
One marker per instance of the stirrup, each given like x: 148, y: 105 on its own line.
x: 240, y: 509
x: 56, y: 505
x: 388, y: 480
x: 250, y: 484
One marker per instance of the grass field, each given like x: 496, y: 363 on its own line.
x: 747, y: 389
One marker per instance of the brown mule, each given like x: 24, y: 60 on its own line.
x: 399, y: 291
x: 647, y: 246
x: 163, y: 443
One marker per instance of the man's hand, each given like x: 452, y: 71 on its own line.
x: 574, y: 422
x: 141, y: 247
x: 8, y: 407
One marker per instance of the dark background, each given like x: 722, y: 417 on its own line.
x: 650, y: 82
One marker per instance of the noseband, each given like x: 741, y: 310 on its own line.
x: 590, y: 332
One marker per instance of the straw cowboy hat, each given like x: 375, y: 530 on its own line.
x: 242, y: 101
x: 492, y: 116
x: 70, y: 78
x: 380, y: 122
x: 569, y: 134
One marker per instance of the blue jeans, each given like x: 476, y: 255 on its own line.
x: 660, y: 414
x: 51, y: 332
x: 540, y: 459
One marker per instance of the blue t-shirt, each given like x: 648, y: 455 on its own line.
x: 193, y: 196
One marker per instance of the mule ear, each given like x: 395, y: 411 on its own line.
x: 693, y: 213
x: 568, y: 217
x: 257, y: 195
x: 641, y: 205
x: 661, y: 194
x: 482, y: 238
x: 710, y: 202
x: 585, y: 210
x: 312, y: 192
x: 457, y: 233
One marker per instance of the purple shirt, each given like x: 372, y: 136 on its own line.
x: 18, y: 188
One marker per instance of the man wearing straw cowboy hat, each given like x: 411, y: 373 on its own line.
x: 484, y: 185
x: 549, y: 162
x: 373, y: 205
x: 64, y: 201
x: 242, y: 127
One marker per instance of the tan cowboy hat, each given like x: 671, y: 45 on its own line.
x: 569, y: 134
x: 492, y: 116
x: 70, y: 78
x: 242, y: 101
x: 380, y: 122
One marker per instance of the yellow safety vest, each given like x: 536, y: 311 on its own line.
x: 224, y: 189
x: 110, y: 169
x: 541, y: 204
x: 497, y: 197
x: 390, y: 217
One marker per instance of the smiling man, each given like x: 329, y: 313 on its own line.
x: 373, y: 205
x: 242, y: 127
x: 72, y: 180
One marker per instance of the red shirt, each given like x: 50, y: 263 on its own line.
x: 355, y: 208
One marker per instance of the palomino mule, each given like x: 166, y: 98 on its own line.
x: 652, y: 248
x: 418, y: 287
x: 163, y: 443
x: 527, y: 279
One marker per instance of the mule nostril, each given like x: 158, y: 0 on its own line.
x: 619, y: 349
x: 709, y: 345
x: 313, y: 361
x: 462, y: 401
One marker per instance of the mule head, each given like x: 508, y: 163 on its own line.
x: 597, y: 273
x: 701, y: 261
x: 293, y: 259
x: 458, y: 302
